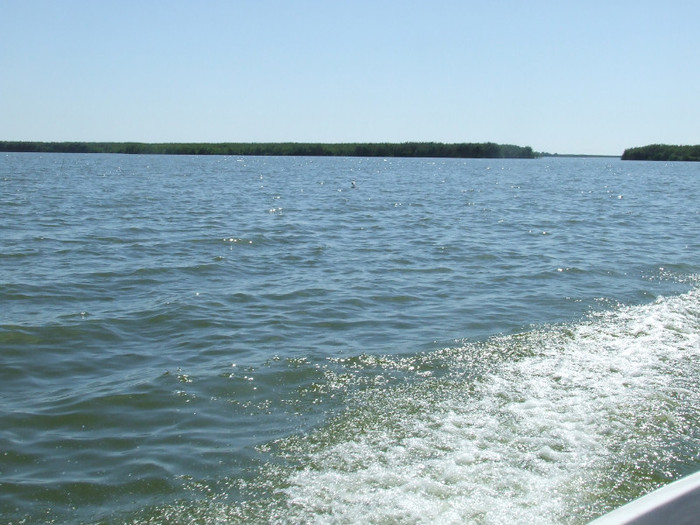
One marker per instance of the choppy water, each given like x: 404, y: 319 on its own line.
x: 253, y: 340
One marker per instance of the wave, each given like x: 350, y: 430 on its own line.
x: 556, y: 425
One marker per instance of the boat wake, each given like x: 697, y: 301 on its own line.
x: 553, y: 422
x: 556, y: 425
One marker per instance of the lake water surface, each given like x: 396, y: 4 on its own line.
x: 255, y: 340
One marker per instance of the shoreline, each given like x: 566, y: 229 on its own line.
x: 315, y: 149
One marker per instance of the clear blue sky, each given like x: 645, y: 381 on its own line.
x: 593, y: 76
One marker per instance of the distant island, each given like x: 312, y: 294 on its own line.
x: 405, y: 149
x: 663, y: 152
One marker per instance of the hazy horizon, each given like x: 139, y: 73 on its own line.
x: 593, y: 78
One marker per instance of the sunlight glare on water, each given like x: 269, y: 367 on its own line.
x: 456, y: 341
x: 573, y: 401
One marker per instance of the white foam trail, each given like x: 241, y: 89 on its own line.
x: 541, y: 438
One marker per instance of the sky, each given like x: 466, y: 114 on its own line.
x: 587, y: 77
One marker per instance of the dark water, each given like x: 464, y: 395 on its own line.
x: 253, y: 340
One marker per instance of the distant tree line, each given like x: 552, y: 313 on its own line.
x: 405, y: 149
x: 663, y: 152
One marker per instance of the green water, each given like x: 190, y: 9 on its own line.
x: 255, y: 340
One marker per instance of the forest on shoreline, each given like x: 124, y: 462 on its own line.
x: 405, y: 149
x: 465, y: 150
x: 663, y: 152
